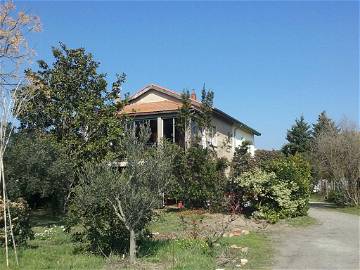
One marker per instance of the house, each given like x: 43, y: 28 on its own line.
x: 160, y: 106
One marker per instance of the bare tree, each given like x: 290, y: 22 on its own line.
x: 14, y: 52
x: 337, y: 157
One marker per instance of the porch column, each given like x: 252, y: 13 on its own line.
x: 160, y: 133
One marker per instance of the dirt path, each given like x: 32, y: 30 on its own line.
x: 332, y: 244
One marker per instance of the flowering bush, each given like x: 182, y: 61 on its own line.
x: 280, y: 191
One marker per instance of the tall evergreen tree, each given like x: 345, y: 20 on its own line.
x: 324, y: 124
x: 298, y: 137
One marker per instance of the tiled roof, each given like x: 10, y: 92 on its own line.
x: 159, y: 106
x: 170, y: 106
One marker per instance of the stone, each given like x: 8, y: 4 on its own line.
x: 245, y: 249
x: 245, y: 232
x: 243, y: 261
x: 238, y: 265
x: 235, y: 247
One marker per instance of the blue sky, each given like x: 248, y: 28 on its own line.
x: 267, y: 62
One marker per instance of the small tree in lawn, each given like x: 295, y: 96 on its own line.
x: 135, y: 192
x: 298, y: 137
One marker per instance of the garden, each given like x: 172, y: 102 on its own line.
x: 69, y: 202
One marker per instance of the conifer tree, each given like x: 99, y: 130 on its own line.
x: 324, y: 124
x: 298, y: 137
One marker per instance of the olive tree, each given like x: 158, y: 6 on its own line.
x: 131, y: 192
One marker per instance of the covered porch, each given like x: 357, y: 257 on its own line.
x: 163, y: 127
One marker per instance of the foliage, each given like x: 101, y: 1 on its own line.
x: 294, y: 171
x: 204, y: 117
x: 14, y: 47
x: 242, y: 160
x: 20, y: 220
x: 126, y: 199
x: 280, y: 191
x: 336, y: 157
x: 199, y: 177
x: 324, y: 124
x: 298, y: 137
x: 38, y: 170
x: 75, y: 106
x: 196, y: 120
x: 264, y: 157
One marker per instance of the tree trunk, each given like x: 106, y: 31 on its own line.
x: 132, y: 248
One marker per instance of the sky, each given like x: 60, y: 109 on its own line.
x: 267, y: 62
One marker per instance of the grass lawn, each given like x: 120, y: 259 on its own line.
x: 303, y: 221
x: 52, y: 249
x: 349, y: 210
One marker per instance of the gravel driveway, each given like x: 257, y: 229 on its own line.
x: 332, y: 244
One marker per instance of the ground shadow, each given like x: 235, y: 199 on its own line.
x: 150, y: 247
x: 45, y: 218
x: 322, y: 205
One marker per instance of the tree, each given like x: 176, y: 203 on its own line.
x: 204, y: 117
x: 299, y: 138
x: 242, y: 160
x: 133, y: 193
x: 74, y: 105
x: 336, y: 157
x: 199, y: 116
x: 38, y: 170
x: 185, y: 117
x: 324, y: 124
x: 14, y: 51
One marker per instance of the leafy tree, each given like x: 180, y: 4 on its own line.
x: 133, y: 193
x: 75, y: 106
x: 38, y: 170
x: 299, y: 138
x: 324, y: 124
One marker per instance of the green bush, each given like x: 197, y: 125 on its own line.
x: 38, y: 170
x: 295, y: 173
x: 94, y: 226
x: 279, y: 192
x: 20, y: 219
x: 337, y: 197
x: 199, y: 177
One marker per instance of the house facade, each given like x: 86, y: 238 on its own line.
x: 160, y: 106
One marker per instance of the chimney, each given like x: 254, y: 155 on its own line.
x: 193, y: 95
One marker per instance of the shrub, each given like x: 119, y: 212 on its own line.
x: 199, y: 177
x: 20, y: 219
x: 280, y: 191
x: 295, y: 172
